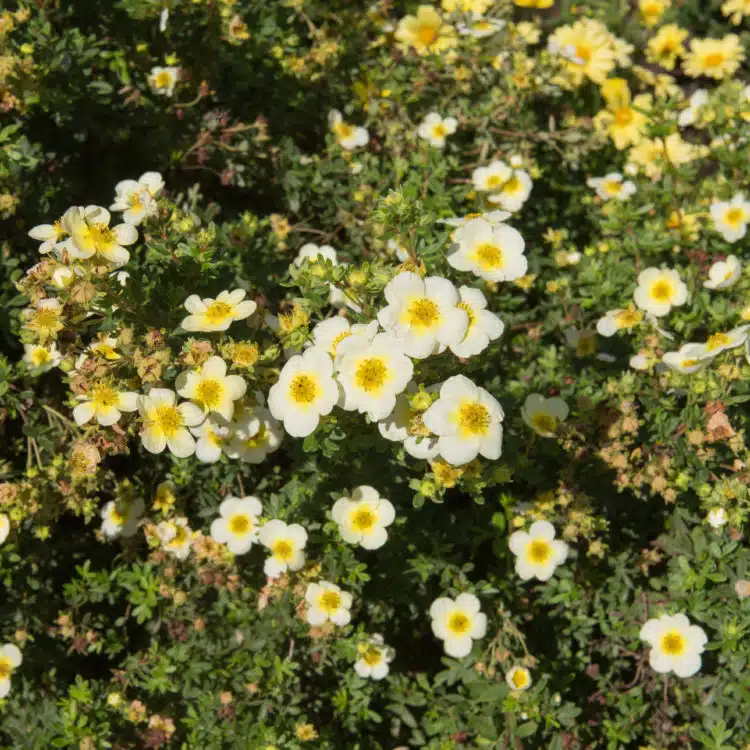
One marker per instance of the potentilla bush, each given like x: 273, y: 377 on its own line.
x: 379, y: 379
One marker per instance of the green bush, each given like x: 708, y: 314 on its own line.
x: 375, y: 375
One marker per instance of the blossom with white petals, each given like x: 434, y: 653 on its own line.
x: 49, y: 235
x: 286, y: 543
x: 363, y: 517
x: 163, y: 79
x: 304, y: 392
x: 544, y: 415
x: 213, y: 435
x: 237, y: 524
x: 492, y: 251
x: 716, y: 517
x: 724, y: 273
x: 176, y: 537
x: 327, y: 602
x: 166, y: 423
x: 514, y: 192
x: 405, y: 424
x: 211, y: 388
x: 659, y: 290
x: 4, y: 527
x: 484, y: 326
x: 618, y: 320
x: 348, y: 136
x: 493, y: 217
x: 518, y: 678
x: 612, y: 186
x: 105, y: 403
x: 91, y: 236
x: 491, y: 177
x: 676, y: 645
x: 467, y: 420
x: 374, y: 658
x: 218, y: 314
x: 10, y: 660
x: 537, y: 551
x: 336, y: 335
x: 458, y: 623
x: 688, y: 116
x: 721, y: 341
x: 422, y: 313
x: 41, y: 358
x: 690, y: 358
x: 121, y: 518
x: 434, y: 129
x: 731, y: 217
x: 136, y: 198
x: 254, y: 436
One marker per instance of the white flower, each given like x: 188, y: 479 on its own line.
x: 731, y: 217
x: 639, y: 362
x: 237, y: 524
x: 165, y: 423
x: 490, y: 178
x: 326, y: 601
x: 484, y: 326
x: 537, y: 551
x: 492, y: 251
x: 514, y: 192
x: 213, y: 436
x: 304, y: 392
x: 211, y: 388
x: 676, y: 645
x: 493, y: 217
x: 716, y: 517
x: 372, y: 374
x: 467, y: 421
x: 4, y: 527
x: 612, y: 186
x: 218, y: 314
x: 286, y: 543
x: 544, y: 415
x: 405, y: 425
x: 314, y: 253
x: 363, y: 518
x: 374, y: 658
x: 348, y: 136
x: 518, y: 678
x: 724, y: 273
x: 720, y: 342
x: 659, y: 290
x: 480, y: 27
x: 49, y: 235
x: 176, y: 537
x: 458, y: 623
x: 136, y: 198
x: 106, y: 347
x: 63, y: 277
x: 254, y: 437
x: 163, y: 80
x: 690, y: 358
x: 91, y: 235
x: 434, y: 129
x: 121, y: 519
x: 422, y: 313
x: 336, y: 335
x: 690, y: 113
x: 41, y: 358
x: 617, y: 320
x: 10, y: 659
x: 104, y: 403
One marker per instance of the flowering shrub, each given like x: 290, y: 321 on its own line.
x: 375, y: 377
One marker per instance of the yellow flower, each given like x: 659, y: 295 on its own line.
x: 624, y: 123
x: 715, y: 58
x: 306, y: 732
x: 652, y: 10
x: 539, y: 4
x: 664, y: 48
x: 594, y: 49
x: 737, y: 9
x: 466, y: 6
x: 426, y: 32
x: 652, y: 154
x: 445, y: 474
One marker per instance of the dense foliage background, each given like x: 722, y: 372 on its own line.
x: 124, y: 644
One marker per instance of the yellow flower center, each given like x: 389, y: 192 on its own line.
x: 544, y: 422
x: 5, y: 668
x: 717, y: 341
x: 180, y: 537
x: 371, y: 374
x: 217, y: 312
x: 101, y: 235
x: 40, y: 357
x: 45, y: 318
x: 423, y: 313
x: 539, y: 551
x: 439, y: 131
x: 493, y: 181
x: 245, y: 354
x: 714, y: 59
x: 662, y: 291
x: 427, y: 34
x: 343, y: 130
x: 513, y: 185
x: 104, y: 397
x: 116, y: 517
x: 240, y: 524
x: 459, y: 623
x: 259, y: 439
x: 612, y: 187
x: 372, y: 656
x: 519, y: 679
x: 734, y: 217
x: 283, y: 550
x: 363, y: 520
x: 489, y: 257
x: 690, y: 362
x: 673, y: 643
x: 209, y: 393
x: 624, y: 116
x: 329, y: 601
x: 168, y: 419
x: 628, y: 318
x: 583, y: 52
x: 473, y: 419
x: 163, y: 79
x: 303, y: 389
